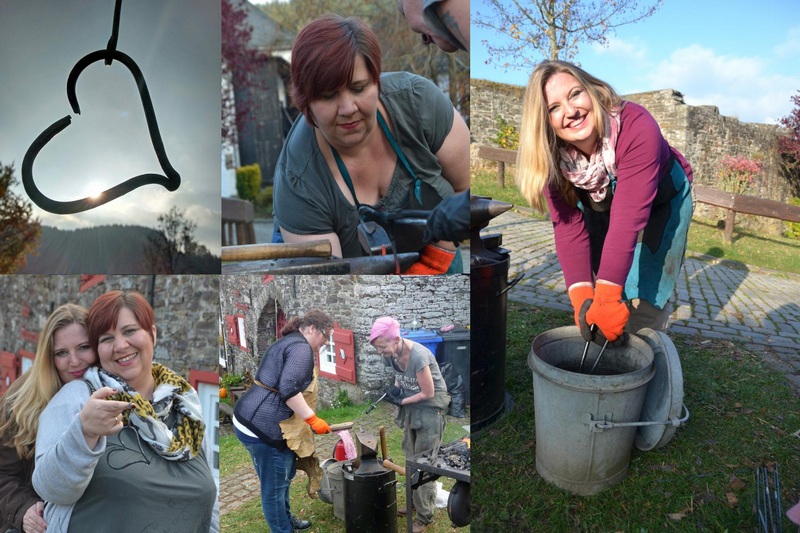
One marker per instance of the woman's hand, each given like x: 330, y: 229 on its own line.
x: 101, y: 417
x: 318, y: 425
x: 432, y: 260
x: 579, y: 293
x: 608, y: 310
x: 32, y: 521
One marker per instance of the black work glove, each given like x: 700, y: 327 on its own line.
x: 449, y: 221
x: 394, y: 395
x: 596, y: 335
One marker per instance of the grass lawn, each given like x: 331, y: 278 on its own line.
x: 249, y: 518
x: 765, y: 251
x: 743, y: 415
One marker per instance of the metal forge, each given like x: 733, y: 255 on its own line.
x: 452, y: 460
x: 488, y: 287
x: 370, y: 494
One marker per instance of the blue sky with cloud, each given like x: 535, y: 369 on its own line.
x: 738, y: 55
x: 176, y: 44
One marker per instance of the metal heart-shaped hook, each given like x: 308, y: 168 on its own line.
x: 171, y: 180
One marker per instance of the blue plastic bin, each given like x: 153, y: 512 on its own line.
x: 427, y: 338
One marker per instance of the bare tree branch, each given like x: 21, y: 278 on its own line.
x: 533, y: 30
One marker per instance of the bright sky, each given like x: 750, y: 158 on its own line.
x: 738, y: 55
x: 176, y: 44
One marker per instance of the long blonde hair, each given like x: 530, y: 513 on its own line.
x: 27, y: 397
x: 537, y: 158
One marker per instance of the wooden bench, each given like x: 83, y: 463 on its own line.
x: 237, y: 221
x: 502, y: 157
x: 748, y: 205
x: 733, y: 203
x: 225, y: 412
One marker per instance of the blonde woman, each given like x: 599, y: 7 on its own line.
x: 63, y: 354
x: 619, y: 197
x: 128, y: 456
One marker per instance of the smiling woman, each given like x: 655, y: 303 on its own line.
x: 63, y: 355
x: 142, y: 418
x: 618, y: 194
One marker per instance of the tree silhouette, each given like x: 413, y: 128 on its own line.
x: 552, y: 29
x: 19, y: 230
x: 168, y: 251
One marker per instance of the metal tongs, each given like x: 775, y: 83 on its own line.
x: 374, y: 405
x: 586, y: 350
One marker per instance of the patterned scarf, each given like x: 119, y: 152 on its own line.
x: 172, y: 424
x: 593, y: 174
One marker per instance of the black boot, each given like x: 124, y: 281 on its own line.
x: 300, y: 525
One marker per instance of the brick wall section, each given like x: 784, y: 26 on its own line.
x: 699, y: 132
x: 186, y: 312
x: 354, y: 302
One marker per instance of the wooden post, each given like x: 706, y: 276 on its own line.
x: 501, y: 174
x: 727, y: 238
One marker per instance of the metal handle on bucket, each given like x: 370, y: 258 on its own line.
x: 600, y: 425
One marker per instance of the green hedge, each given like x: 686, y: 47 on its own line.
x: 248, y: 181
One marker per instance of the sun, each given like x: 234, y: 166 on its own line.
x: 94, y: 190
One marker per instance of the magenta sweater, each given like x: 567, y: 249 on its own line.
x: 642, y: 157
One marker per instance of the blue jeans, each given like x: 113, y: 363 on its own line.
x: 275, y: 469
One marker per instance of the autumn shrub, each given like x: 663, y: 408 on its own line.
x: 507, y: 135
x: 738, y: 174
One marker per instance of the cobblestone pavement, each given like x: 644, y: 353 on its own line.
x: 714, y: 299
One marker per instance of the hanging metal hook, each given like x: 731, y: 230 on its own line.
x: 112, y: 42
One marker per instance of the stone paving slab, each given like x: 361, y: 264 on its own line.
x: 715, y: 299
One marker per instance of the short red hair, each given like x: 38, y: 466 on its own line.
x: 324, y: 56
x: 105, y: 311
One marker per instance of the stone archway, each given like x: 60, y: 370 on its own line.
x: 270, y: 320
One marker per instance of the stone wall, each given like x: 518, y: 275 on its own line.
x: 186, y: 312
x: 699, y: 132
x: 353, y: 302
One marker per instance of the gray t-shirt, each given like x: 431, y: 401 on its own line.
x: 159, y: 495
x: 419, y: 358
x: 309, y: 202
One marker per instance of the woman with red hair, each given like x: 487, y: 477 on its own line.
x: 388, y: 141
x: 122, y: 449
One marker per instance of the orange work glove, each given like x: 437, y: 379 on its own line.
x: 432, y: 260
x: 607, y: 311
x: 318, y: 425
x: 578, y: 295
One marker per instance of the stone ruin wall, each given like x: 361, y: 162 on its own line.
x: 700, y: 133
x: 186, y: 312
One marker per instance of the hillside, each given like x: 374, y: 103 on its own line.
x: 103, y: 250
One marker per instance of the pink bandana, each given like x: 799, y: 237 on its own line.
x: 593, y: 174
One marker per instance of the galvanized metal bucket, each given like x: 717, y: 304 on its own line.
x: 576, y: 448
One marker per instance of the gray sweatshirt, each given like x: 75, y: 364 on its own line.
x: 65, y: 464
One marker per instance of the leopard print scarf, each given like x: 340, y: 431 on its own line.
x: 172, y: 424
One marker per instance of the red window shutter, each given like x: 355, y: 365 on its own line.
x: 345, y: 355
x: 8, y: 370
x: 232, y: 329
